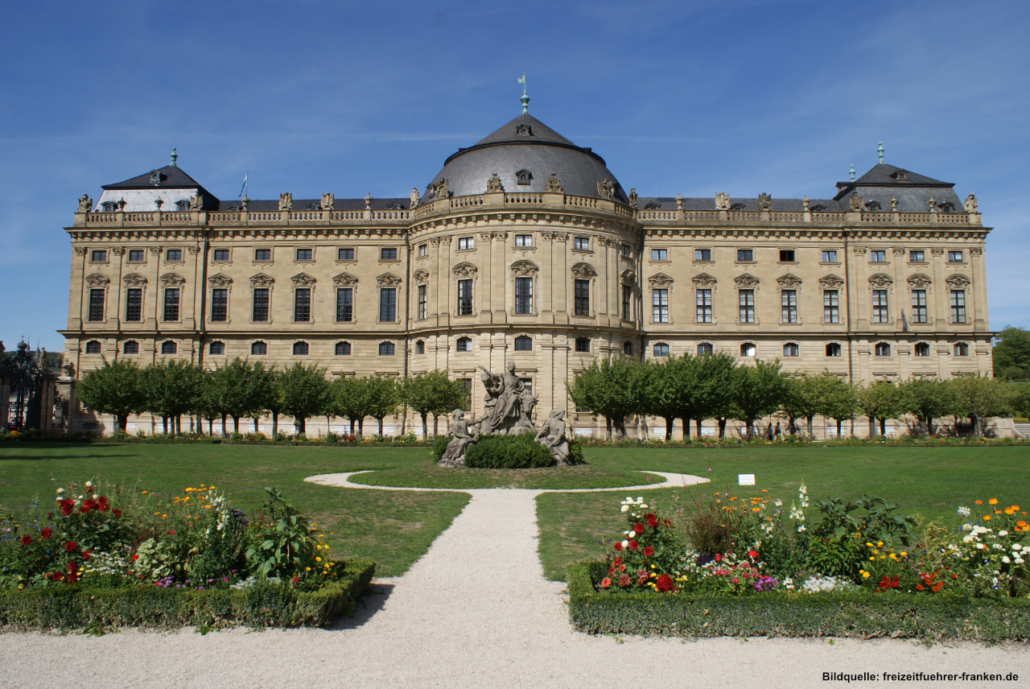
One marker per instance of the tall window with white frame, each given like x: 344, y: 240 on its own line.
x: 789, y: 306
x: 302, y: 305
x: 704, y: 306
x: 134, y: 304
x: 387, y: 305
x: 171, y: 310
x: 660, y: 305
x: 581, y: 290
x: 831, y: 306
x: 627, y: 303
x: 96, y: 305
x: 747, y: 306
x: 423, y: 302
x: 219, y: 305
x: 260, y: 312
x: 958, y: 306
x: 344, y: 304
x: 523, y: 295
x: 465, y: 297
x: 919, y: 314
x: 880, y: 309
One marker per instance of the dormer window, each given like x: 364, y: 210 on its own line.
x: 523, y: 131
x: 818, y: 208
x: 395, y: 206
x: 155, y: 177
x: 109, y: 207
x: 873, y: 206
x: 737, y: 207
x: 901, y: 176
x: 946, y: 207
x: 653, y: 206
x: 182, y: 206
x: 524, y: 177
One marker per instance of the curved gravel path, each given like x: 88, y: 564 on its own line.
x: 475, y: 611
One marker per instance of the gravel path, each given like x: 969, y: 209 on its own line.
x: 475, y: 611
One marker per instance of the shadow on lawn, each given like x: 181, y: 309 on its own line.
x: 33, y: 458
x: 368, y: 606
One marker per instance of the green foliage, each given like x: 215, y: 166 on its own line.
x: 927, y: 399
x: 439, y: 446
x: 113, y: 389
x: 805, y: 396
x: 173, y: 388
x: 881, y: 401
x: 710, y: 529
x: 432, y: 393
x: 508, y: 452
x: 1011, y: 353
x: 282, y: 544
x: 612, y: 388
x: 382, y: 396
x: 980, y: 397
x: 757, y: 391
x: 303, y: 392
x: 239, y: 389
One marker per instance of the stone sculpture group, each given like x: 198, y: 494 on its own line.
x: 508, y: 411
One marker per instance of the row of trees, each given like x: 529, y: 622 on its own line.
x: 242, y: 390
x: 713, y: 386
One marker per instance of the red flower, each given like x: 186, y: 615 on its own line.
x: 651, y: 520
x: 752, y: 553
x: 57, y: 576
x: 25, y: 540
x: 70, y: 546
x: 66, y: 507
x: 117, y: 513
x: 103, y: 507
x: 606, y: 582
x: 72, y: 578
x: 87, y: 555
x: 135, y: 557
x: 663, y: 583
x: 624, y: 580
x: 639, y: 528
x: 633, y: 545
x: 666, y: 522
x: 618, y: 547
x: 648, y: 551
x: 622, y: 568
x: 45, y: 533
x: 102, y: 499
x: 617, y: 561
x: 919, y: 587
x: 50, y: 515
x: 718, y: 557
x: 611, y: 570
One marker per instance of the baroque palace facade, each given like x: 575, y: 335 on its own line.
x: 525, y: 248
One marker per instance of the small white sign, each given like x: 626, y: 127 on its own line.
x: 745, y: 479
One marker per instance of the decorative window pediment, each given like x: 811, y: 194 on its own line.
x: 830, y: 282
x: 919, y: 281
x: 524, y: 268
x: 302, y: 280
x: 746, y: 280
x: 220, y: 280
x: 881, y: 280
x: 789, y: 281
x: 464, y: 269
x: 583, y: 270
x: 660, y: 280
x: 703, y: 280
x: 344, y: 280
x: 97, y: 280
x: 421, y: 277
x: 172, y: 280
x: 388, y: 280
x: 523, y: 177
x: 261, y: 280
x: 958, y: 281
x: 134, y: 280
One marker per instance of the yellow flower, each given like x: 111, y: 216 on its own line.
x: 904, y: 554
x: 865, y: 574
x: 992, y: 501
x: 163, y: 516
x: 879, y: 544
x: 872, y: 559
x: 987, y: 517
x: 868, y: 545
x: 210, y: 487
x: 307, y: 569
x: 318, y: 559
x: 1008, y: 511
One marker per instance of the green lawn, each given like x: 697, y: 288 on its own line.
x: 428, y: 475
x: 394, y: 528
x: 930, y: 482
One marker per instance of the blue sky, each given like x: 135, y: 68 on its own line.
x: 689, y: 97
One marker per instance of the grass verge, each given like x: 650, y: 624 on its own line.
x: 429, y: 475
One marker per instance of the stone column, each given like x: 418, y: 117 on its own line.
x: 941, y: 294
x: 978, y: 288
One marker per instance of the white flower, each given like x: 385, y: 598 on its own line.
x: 1005, y: 559
x: 1003, y: 533
x: 625, y: 508
x: 998, y: 546
x: 639, y: 500
x: 980, y: 546
x: 625, y: 544
x: 632, y: 534
x: 60, y: 491
x: 801, y: 528
x: 1019, y: 560
x: 967, y: 527
x: 967, y: 539
x: 89, y: 485
x: 778, y: 503
x: 1016, y: 546
x: 963, y: 511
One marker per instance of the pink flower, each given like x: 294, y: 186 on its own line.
x: 606, y: 582
x: 735, y: 580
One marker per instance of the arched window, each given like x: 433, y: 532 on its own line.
x: 108, y: 206
x: 217, y: 348
x: 343, y: 349
x: 582, y: 344
x: 883, y: 349
x: 748, y: 349
x: 259, y: 348
x: 833, y: 349
x: 300, y: 349
x: 385, y: 349
x: 93, y: 347
x: 420, y: 347
x: 169, y: 347
x: 130, y: 347
x: 961, y: 349
x: 464, y: 344
x: 523, y: 343
x: 790, y: 349
x: 705, y: 348
x: 922, y: 349
x: 182, y: 206
x: 660, y: 349
x: 627, y: 348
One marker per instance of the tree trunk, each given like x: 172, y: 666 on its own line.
x: 256, y: 427
x: 698, y: 423
x: 668, y: 428
x: 235, y: 424
x: 121, y: 419
x: 379, y: 421
x: 839, y: 424
x: 686, y: 427
x: 275, y: 423
x: 872, y: 427
x: 722, y: 428
x: 883, y: 427
x: 607, y: 429
x: 929, y: 425
x: 211, y: 427
x: 224, y: 418
x: 436, y: 427
x: 164, y: 424
x: 361, y: 428
x: 811, y: 427
x: 749, y: 425
x: 425, y: 426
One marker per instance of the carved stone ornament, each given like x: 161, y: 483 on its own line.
x: 764, y: 202
x: 197, y: 202
x: 368, y: 202
x: 660, y: 280
x: 553, y: 184
x: 302, y: 280
x: 855, y: 203
x: 898, y: 250
x: 976, y: 252
x: 194, y: 250
x: 746, y: 280
x: 880, y: 280
x: 219, y: 280
x: 523, y: 131
x: 555, y: 236
x: 789, y: 281
x: 172, y: 280
x: 722, y: 201
x: 919, y: 281
x: 244, y: 202
x: 344, y: 280
x: 85, y: 203
x: 937, y: 251
x: 80, y: 251
x: 583, y: 271
x: 524, y: 268
x: 97, y: 280
x: 414, y: 199
x: 830, y: 281
x: 970, y: 203
x: 493, y: 185
x: 327, y: 202
x: 388, y: 280
x: 933, y: 205
x: 958, y: 281
x: 134, y: 280
x: 894, y: 204
x: 464, y: 270
x: 285, y: 201
x: 633, y: 198
x: 442, y: 190
x: 605, y: 189
x: 703, y: 280
x: 629, y: 277
x: 804, y: 203
x: 421, y: 277
x: 118, y: 250
x: 679, y: 201
x: 261, y: 280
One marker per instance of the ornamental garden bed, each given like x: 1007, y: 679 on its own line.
x: 96, y: 557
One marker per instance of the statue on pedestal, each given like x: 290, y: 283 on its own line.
x: 454, y: 455
x: 509, y: 405
x: 552, y: 436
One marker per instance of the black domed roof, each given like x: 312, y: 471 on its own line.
x: 525, y: 145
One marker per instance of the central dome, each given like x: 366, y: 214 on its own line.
x: 523, y: 154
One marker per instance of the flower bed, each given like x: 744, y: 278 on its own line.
x: 111, y: 557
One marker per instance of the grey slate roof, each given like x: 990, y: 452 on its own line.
x: 315, y: 204
x: 883, y: 183
x: 708, y: 204
x: 171, y: 177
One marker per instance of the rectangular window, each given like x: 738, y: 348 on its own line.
x: 916, y: 256
x: 659, y: 254
x: 523, y: 295
x: 786, y: 256
x: 96, y: 305
x: 302, y: 305
x: 704, y: 306
x: 387, y: 305
x: 626, y: 251
x: 221, y: 255
x: 303, y: 254
x: 581, y: 291
x: 133, y: 304
x: 627, y: 303
x: 660, y: 305
x: 171, y: 304
x: 262, y: 254
x: 747, y: 306
x: 830, y: 256
x: 466, y: 243
x: 388, y: 254
x: 173, y: 255
x: 135, y: 255
x: 423, y: 302
x: 878, y: 256
x: 919, y: 306
x: 98, y: 255
x: 789, y: 304
x: 345, y: 254
x: 261, y: 305
x: 954, y: 257
x: 423, y: 250
x: 958, y: 306
x: 581, y: 243
x: 523, y: 240
x: 702, y: 254
x: 464, y: 297
x: 745, y: 255
x: 880, y: 313
x: 344, y: 305
x: 831, y: 306
x: 219, y: 305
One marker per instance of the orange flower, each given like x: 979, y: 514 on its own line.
x: 1008, y: 511
x: 978, y: 502
x: 992, y: 501
x: 1014, y: 508
x: 987, y: 517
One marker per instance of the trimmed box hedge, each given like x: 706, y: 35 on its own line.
x: 860, y: 614
x: 76, y: 606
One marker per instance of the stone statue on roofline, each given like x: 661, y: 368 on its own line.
x: 970, y: 203
x: 85, y: 203
x: 414, y: 199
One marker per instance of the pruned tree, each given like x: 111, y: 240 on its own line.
x: 383, y: 397
x: 713, y: 394
x: 661, y: 395
x: 172, y: 388
x: 980, y: 397
x: 350, y: 400
x: 927, y: 399
x: 432, y: 392
x: 840, y: 402
x: 114, y: 389
x: 242, y: 390
x: 611, y: 388
x: 757, y: 392
x: 1011, y: 354
x: 881, y: 401
x: 303, y: 392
